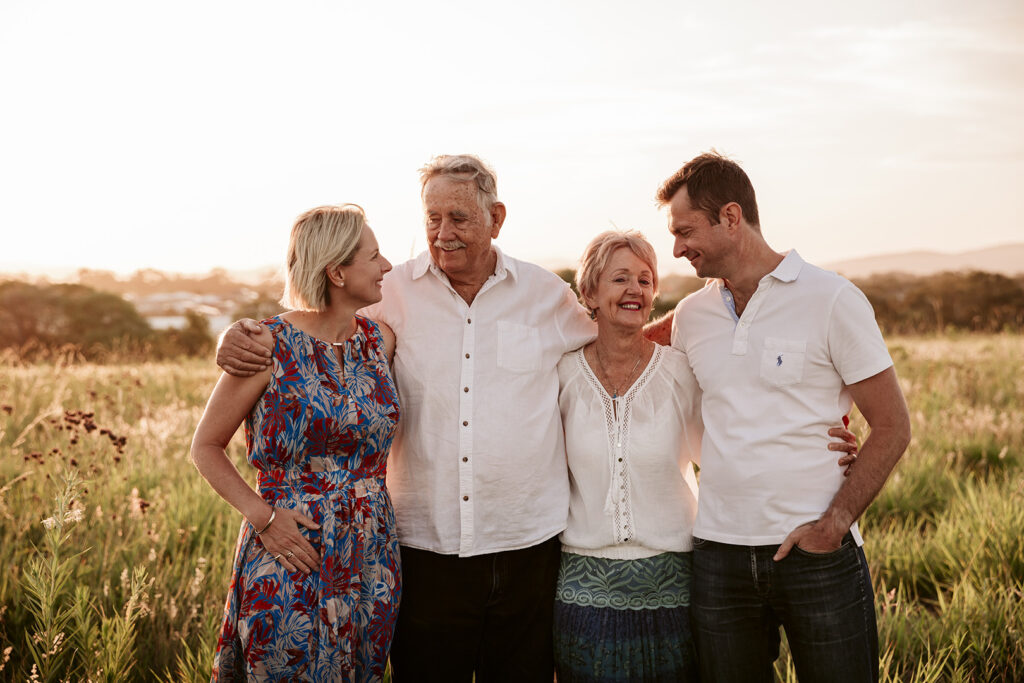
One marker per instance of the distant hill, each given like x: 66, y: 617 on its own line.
x: 1006, y: 259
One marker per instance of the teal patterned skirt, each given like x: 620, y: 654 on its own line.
x: 624, y: 620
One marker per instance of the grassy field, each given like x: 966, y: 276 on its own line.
x: 114, y: 553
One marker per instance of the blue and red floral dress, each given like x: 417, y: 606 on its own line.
x: 319, y: 438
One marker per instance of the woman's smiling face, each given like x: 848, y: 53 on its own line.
x: 625, y: 291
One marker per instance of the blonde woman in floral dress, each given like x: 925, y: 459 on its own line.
x: 315, y: 588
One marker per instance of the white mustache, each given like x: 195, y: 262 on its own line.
x: 454, y: 244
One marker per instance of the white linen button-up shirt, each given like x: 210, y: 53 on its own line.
x: 478, y: 463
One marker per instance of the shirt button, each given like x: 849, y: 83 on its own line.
x: 620, y: 459
x: 465, y: 423
x: 465, y: 498
x: 467, y: 355
x: 469, y: 321
x: 465, y: 459
x: 465, y: 389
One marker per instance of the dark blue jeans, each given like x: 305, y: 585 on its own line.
x: 824, y: 601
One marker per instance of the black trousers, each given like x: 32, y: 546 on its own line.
x: 488, y: 614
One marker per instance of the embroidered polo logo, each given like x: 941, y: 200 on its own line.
x: 778, y: 360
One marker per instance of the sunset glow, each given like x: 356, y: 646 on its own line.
x: 188, y: 136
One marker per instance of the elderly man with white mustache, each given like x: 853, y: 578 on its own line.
x: 477, y: 470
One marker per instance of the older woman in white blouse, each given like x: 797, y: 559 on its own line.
x: 631, y: 415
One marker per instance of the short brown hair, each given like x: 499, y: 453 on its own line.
x: 712, y: 181
x: 599, y: 252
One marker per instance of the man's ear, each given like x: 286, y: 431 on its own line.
x: 730, y: 216
x: 497, y: 218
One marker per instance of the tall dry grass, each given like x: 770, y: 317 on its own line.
x: 127, y: 579
x: 139, y: 510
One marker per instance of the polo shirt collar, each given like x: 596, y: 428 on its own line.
x: 790, y: 267
x: 502, y: 267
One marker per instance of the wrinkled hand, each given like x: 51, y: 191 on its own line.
x: 286, y: 543
x: 239, y: 354
x: 848, y: 445
x: 814, y: 537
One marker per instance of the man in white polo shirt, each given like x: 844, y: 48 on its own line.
x: 781, y: 349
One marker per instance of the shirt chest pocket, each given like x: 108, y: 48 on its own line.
x: 519, y: 348
x: 782, y: 361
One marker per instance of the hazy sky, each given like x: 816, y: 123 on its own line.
x: 189, y: 135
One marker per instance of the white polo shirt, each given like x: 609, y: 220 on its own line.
x: 478, y: 463
x: 773, y: 383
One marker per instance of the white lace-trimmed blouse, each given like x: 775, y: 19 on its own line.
x: 632, y: 486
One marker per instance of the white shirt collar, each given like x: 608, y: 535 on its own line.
x: 790, y: 267
x: 502, y: 266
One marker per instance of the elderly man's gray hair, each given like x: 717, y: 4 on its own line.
x: 468, y: 168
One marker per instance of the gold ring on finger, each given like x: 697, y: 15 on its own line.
x: 289, y: 555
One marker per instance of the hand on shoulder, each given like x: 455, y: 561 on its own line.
x: 245, y: 348
x: 264, y: 337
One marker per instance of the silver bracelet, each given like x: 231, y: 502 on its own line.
x: 273, y: 513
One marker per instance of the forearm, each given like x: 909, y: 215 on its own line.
x: 215, y: 466
x: 876, y: 460
x: 660, y: 331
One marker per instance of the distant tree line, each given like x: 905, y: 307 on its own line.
x: 148, y: 281
x: 972, y: 301
x: 38, y: 320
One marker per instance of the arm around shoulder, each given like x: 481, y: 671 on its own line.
x: 660, y: 330
x: 244, y: 348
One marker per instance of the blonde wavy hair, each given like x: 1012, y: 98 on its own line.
x: 321, y: 237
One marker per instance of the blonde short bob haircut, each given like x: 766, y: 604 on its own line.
x: 599, y: 252
x: 321, y: 237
